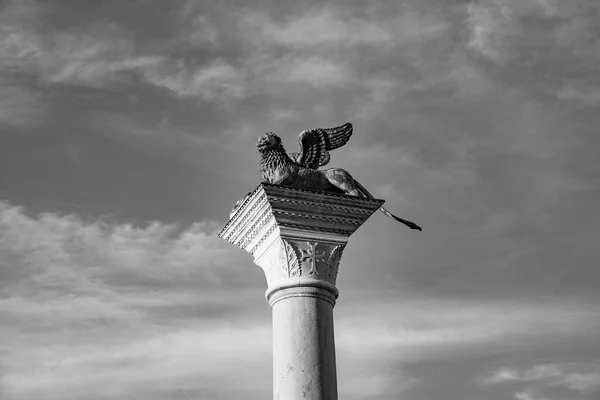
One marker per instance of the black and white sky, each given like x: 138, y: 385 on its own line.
x: 128, y: 131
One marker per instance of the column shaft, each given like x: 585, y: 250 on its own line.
x: 303, y: 344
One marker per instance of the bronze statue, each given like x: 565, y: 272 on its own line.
x: 301, y: 169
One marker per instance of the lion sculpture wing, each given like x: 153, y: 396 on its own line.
x: 316, y: 143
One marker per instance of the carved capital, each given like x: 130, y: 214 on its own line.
x: 297, y: 236
x: 290, y: 260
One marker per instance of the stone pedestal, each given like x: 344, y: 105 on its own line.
x: 297, y: 237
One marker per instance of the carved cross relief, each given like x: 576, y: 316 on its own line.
x: 309, y: 254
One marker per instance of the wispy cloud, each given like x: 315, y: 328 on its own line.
x: 144, y: 364
x: 370, y: 381
x: 19, y: 106
x: 336, y: 26
x: 579, y: 378
x: 491, y: 29
x: 285, y: 57
x: 314, y: 71
x: 157, y: 289
x: 535, y: 373
x: 215, y: 81
x: 378, y: 153
x: 76, y: 247
x: 315, y: 28
x: 529, y: 395
x: 201, y: 30
x: 291, y: 52
x: 553, y: 42
x: 421, y: 329
x: 104, y: 55
x: 94, y: 57
x: 584, y: 93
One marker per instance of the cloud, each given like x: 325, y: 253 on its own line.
x: 104, y: 55
x: 584, y: 93
x: 421, y: 328
x: 418, y: 332
x: 19, y: 107
x: 267, y: 53
x: 153, y: 300
x: 95, y: 57
x: 215, y: 81
x: 369, y: 381
x: 581, y: 382
x: 490, y: 28
x: 291, y: 57
x: 337, y: 26
x: 149, y: 362
x: 91, y: 66
x: 378, y: 153
x: 314, y: 71
x: 536, y: 373
x: 505, y: 30
x: 529, y: 395
x: 90, y: 270
x: 201, y: 30
x: 552, y: 43
x: 18, y: 48
x: 577, y: 377
x: 315, y: 28
x: 101, y: 250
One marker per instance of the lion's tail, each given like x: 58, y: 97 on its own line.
x: 385, y: 212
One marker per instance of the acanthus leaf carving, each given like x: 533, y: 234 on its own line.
x: 334, y: 262
x: 290, y: 260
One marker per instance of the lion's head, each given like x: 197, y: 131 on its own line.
x: 268, y: 141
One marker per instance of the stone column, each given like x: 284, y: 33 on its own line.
x: 297, y: 237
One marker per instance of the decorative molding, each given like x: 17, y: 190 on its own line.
x: 263, y: 238
x: 251, y: 233
x: 317, y: 193
x: 238, y: 209
x: 304, y: 210
x: 248, y: 216
x: 315, y: 228
x: 318, y: 217
x: 323, y: 204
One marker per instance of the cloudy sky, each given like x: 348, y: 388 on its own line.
x: 128, y: 131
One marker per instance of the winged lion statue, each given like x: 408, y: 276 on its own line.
x: 301, y: 169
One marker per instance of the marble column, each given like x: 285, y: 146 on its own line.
x: 297, y: 237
